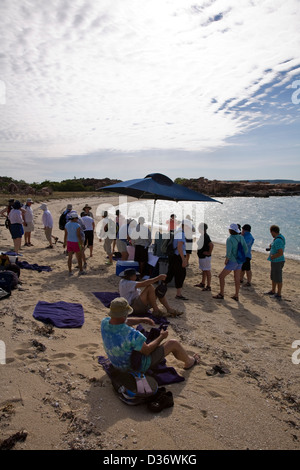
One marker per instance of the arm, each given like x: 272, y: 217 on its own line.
x: 180, y: 251
x: 131, y: 321
x: 278, y: 254
x: 65, y: 238
x: 148, y: 282
x: 209, y: 252
x: 150, y: 347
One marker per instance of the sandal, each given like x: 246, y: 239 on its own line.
x: 235, y: 297
x: 196, y: 361
x: 199, y: 285
x: 207, y: 288
x: 175, y: 313
x: 181, y: 297
x: 219, y: 296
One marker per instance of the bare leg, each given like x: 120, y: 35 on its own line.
x: 174, y: 347
x: 70, y: 256
x: 237, y: 277
x: 222, y: 276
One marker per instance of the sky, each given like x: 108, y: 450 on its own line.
x: 124, y: 88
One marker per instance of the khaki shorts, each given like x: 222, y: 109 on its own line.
x: 139, y: 307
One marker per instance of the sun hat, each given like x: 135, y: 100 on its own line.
x: 73, y: 215
x: 69, y: 207
x: 234, y: 227
x: 119, y: 308
x: 29, y: 200
x: 43, y: 207
x: 86, y: 207
x: 127, y: 273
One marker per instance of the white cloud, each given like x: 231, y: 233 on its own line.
x: 130, y: 75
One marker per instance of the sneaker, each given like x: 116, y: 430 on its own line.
x: 81, y: 273
x: 277, y: 297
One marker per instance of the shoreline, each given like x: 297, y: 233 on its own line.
x: 53, y: 387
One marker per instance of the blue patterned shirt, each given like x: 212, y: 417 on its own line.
x: 119, y: 341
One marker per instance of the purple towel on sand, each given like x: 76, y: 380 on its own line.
x: 34, y: 267
x: 60, y: 314
x: 106, y: 297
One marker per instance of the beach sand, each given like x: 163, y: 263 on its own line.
x: 53, y: 390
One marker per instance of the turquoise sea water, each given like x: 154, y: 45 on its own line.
x: 260, y: 213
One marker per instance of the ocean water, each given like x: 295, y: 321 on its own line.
x: 260, y: 213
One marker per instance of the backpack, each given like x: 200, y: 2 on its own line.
x: 6, y: 281
x: 241, y: 256
x: 167, y: 247
x: 62, y: 221
x: 133, y: 388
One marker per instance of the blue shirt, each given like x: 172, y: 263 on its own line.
x: 71, y: 228
x: 179, y: 237
x: 232, y: 247
x: 119, y: 341
x: 277, y: 244
x: 249, y: 241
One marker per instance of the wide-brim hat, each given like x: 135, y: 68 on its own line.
x: 86, y: 207
x: 119, y: 308
x: 234, y: 227
x: 127, y: 273
x: 29, y: 200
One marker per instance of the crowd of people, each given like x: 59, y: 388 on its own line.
x: 138, y: 295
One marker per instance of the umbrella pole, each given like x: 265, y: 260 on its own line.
x: 153, y: 217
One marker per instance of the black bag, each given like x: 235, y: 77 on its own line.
x: 6, y: 281
x: 62, y: 221
x: 167, y: 245
x: 133, y: 388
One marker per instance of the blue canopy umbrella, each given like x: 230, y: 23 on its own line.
x: 157, y: 186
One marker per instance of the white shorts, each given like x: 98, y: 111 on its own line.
x: 205, y: 263
x: 29, y: 227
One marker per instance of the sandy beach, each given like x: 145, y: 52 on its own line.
x: 54, y: 391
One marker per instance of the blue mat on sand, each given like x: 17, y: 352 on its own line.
x: 60, y: 314
x: 107, y: 297
x: 34, y: 267
x: 163, y: 374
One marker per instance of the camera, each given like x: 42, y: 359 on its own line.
x: 268, y: 249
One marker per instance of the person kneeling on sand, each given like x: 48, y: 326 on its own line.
x: 142, y: 300
x: 120, y: 339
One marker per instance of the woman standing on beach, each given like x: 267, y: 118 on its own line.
x: 231, y: 261
x: 16, y: 225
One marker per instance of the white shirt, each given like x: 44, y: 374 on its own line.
x: 47, y: 219
x: 15, y: 216
x: 128, y: 290
x: 28, y: 215
x: 88, y: 222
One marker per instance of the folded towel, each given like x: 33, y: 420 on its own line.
x: 60, y: 314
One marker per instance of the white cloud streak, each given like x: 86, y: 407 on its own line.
x: 132, y: 75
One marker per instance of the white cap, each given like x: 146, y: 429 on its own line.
x: 234, y: 227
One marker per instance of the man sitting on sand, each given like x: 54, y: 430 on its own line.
x: 120, y: 339
x: 142, y: 301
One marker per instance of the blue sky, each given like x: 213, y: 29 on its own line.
x: 125, y: 88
